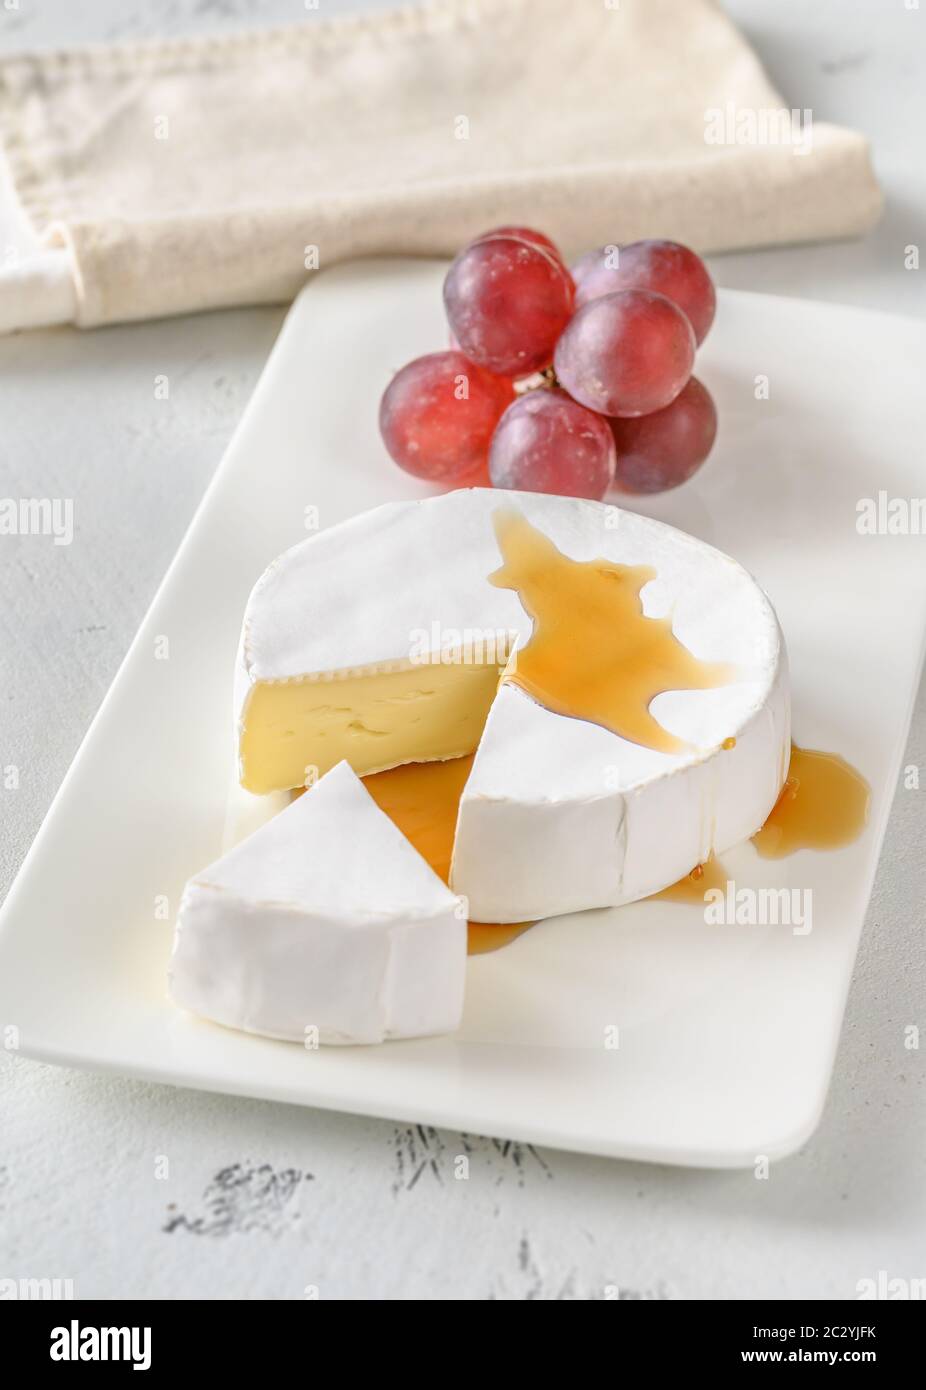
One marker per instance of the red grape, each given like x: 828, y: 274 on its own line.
x: 524, y: 234
x: 546, y: 442
x: 626, y: 354
x: 507, y: 302
x: 438, y: 413
x: 659, y: 451
x: 593, y: 274
x: 663, y: 266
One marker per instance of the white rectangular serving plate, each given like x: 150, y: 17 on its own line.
x: 726, y: 1035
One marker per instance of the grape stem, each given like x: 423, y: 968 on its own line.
x: 547, y: 380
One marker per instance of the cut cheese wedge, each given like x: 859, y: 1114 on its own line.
x: 382, y: 641
x: 323, y: 925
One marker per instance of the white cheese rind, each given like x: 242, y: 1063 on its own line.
x: 323, y: 919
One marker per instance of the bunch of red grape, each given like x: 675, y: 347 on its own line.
x: 614, y: 345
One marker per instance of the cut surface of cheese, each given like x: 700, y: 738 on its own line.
x: 324, y: 924
x: 296, y: 729
x: 382, y: 640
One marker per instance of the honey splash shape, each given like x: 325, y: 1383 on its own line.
x: 593, y: 654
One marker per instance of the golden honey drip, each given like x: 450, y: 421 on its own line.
x: 693, y: 886
x: 422, y: 799
x: 823, y: 805
x: 593, y: 654
x: 492, y: 936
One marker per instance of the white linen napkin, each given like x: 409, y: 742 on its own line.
x: 165, y: 177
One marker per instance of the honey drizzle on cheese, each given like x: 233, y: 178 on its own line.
x: 593, y: 654
x: 422, y: 800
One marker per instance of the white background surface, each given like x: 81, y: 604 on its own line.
x: 263, y: 1200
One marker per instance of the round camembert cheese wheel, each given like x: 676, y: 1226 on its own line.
x: 384, y: 640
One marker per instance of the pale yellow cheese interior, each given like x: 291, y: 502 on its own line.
x: 292, y: 729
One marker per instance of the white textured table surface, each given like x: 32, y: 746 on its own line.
x: 134, y: 1190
